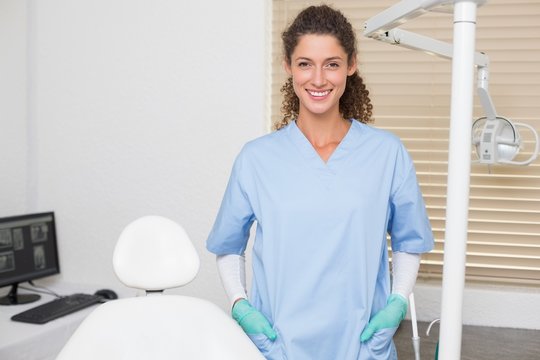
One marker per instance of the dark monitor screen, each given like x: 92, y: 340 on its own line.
x: 28, y: 251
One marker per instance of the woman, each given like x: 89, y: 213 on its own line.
x: 324, y: 189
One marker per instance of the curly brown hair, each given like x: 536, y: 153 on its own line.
x: 324, y: 20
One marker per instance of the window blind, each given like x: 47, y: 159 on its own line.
x: 410, y: 92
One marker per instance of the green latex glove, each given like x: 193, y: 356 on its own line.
x: 251, y: 320
x: 389, y: 317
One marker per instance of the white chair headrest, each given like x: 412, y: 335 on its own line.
x: 155, y: 253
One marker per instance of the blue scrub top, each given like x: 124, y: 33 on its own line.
x: 320, y: 259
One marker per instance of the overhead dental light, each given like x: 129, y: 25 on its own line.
x: 497, y: 141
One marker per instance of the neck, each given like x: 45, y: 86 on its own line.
x: 322, y: 132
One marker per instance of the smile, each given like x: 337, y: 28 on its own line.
x: 319, y: 93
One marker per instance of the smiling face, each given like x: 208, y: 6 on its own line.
x: 319, y: 68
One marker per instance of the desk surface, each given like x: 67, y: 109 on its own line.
x: 22, y: 341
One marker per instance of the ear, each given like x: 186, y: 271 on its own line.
x: 287, y: 67
x: 352, y: 67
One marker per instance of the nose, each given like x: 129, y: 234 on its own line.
x: 319, y: 78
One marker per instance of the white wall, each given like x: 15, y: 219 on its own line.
x: 13, y: 130
x: 483, y: 305
x: 136, y: 107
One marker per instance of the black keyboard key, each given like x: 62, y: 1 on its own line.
x: 56, y: 308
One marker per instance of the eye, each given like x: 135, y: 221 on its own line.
x: 332, y: 65
x: 303, y: 64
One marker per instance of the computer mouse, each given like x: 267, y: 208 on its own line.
x: 106, y: 294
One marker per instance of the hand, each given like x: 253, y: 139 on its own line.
x: 389, y: 317
x: 251, y: 320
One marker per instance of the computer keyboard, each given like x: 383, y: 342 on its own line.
x: 56, y: 308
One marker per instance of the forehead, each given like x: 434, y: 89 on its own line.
x: 314, y: 46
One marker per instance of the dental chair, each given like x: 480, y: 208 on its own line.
x: 154, y: 254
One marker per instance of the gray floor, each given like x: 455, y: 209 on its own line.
x: 478, y: 343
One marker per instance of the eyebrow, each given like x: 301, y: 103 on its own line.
x: 329, y: 59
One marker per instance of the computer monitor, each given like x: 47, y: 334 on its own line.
x: 28, y: 251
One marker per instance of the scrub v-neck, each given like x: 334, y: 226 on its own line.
x: 334, y: 162
x: 327, y: 172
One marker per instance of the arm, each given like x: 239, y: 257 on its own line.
x: 405, y: 269
x: 232, y: 270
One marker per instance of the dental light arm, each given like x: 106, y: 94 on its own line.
x: 400, y: 13
x: 482, y: 84
x: 413, y: 41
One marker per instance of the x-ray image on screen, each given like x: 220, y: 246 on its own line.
x: 38, y: 232
x: 6, y: 240
x: 39, y: 257
x: 18, y: 239
x: 7, y: 261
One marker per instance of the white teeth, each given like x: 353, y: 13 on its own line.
x: 319, y: 93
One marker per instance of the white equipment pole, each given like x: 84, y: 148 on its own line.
x: 459, y: 170
x: 383, y: 27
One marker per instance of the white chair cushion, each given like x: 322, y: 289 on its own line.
x: 159, y: 327
x: 155, y: 253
